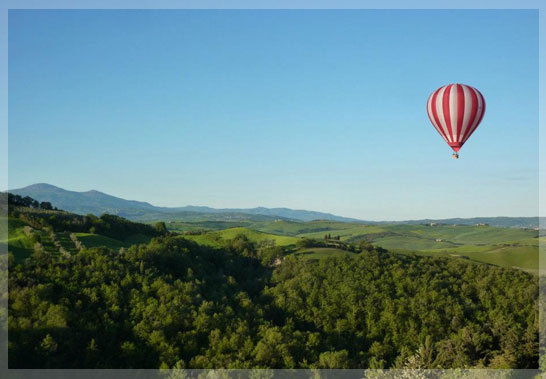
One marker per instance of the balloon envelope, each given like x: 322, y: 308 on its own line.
x: 455, y: 111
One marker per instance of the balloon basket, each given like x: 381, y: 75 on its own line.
x: 455, y: 156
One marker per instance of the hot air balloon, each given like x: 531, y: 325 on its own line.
x: 456, y: 110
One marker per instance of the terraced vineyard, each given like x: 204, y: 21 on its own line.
x: 23, y: 240
x: 66, y: 242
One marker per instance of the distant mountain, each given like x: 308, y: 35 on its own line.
x: 97, y: 203
x: 94, y: 202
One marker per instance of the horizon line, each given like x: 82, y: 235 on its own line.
x: 277, y: 207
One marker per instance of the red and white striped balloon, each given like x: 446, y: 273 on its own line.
x: 456, y: 110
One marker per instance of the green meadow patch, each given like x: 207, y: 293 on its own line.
x: 216, y: 239
x: 322, y: 252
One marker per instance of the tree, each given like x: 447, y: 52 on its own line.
x: 334, y: 359
x: 46, y: 205
x: 160, y: 227
x: 268, y: 252
x: 365, y: 246
x: 49, y: 345
x: 241, y: 244
x: 27, y: 201
x: 272, y: 350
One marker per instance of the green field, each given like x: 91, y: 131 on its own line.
x: 316, y: 229
x: 216, y: 238
x: 522, y: 257
x: 18, y: 242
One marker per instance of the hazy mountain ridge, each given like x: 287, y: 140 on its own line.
x: 97, y: 203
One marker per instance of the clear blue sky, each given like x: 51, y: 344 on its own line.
x: 321, y: 110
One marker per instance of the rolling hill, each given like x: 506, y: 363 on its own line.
x: 507, y: 247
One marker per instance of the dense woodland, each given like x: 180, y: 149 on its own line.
x: 174, y: 303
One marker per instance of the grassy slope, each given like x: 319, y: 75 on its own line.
x: 523, y: 257
x: 500, y: 246
x: 295, y: 228
x: 321, y: 252
x: 467, y: 234
x: 18, y: 243
x: 350, y: 232
x: 215, y: 238
x: 448, y: 233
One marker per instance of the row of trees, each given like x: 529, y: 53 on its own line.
x: 27, y: 201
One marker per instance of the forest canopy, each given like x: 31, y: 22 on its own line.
x: 173, y: 303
